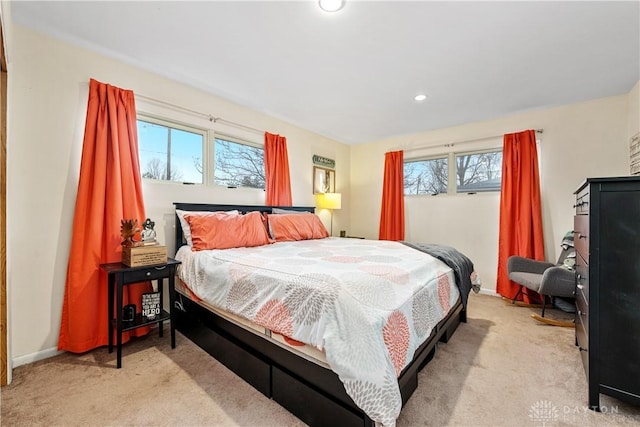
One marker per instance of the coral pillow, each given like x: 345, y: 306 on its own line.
x: 186, y: 230
x: 227, y: 231
x: 290, y: 227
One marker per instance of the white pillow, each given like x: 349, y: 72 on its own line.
x: 186, y: 230
x: 286, y: 211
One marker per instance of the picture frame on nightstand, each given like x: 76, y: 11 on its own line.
x: 151, y: 305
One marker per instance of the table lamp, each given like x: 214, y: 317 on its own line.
x: 329, y: 201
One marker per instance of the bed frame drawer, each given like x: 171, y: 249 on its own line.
x: 229, y: 352
x: 296, y: 396
x: 251, y: 368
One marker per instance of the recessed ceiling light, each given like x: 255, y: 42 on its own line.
x: 420, y: 97
x: 331, y: 5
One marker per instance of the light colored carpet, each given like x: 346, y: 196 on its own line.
x: 499, y: 369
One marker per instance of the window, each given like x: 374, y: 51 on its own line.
x: 471, y: 172
x: 170, y: 152
x: 177, y: 152
x: 426, y: 176
x: 479, y: 172
x: 238, y: 163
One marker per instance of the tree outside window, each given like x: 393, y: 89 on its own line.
x: 479, y: 172
x: 239, y: 165
x: 426, y: 176
x: 474, y: 172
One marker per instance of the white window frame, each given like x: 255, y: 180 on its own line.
x: 452, y: 169
x: 455, y: 176
x: 234, y: 139
x: 427, y: 158
x: 150, y: 118
x: 208, y: 150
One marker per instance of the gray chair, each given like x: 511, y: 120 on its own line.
x: 556, y: 281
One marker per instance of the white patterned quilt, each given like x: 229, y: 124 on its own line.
x: 368, y: 304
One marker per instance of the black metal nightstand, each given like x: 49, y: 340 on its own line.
x: 120, y: 275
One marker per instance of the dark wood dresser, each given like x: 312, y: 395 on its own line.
x: 607, y: 242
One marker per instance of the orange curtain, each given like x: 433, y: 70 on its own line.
x: 392, y: 214
x: 520, y: 209
x: 276, y: 165
x: 109, y: 190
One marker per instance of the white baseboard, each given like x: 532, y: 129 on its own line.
x: 489, y: 292
x: 34, y: 357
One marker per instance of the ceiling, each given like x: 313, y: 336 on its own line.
x: 352, y: 75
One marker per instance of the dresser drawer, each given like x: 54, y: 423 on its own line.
x: 582, y: 201
x: 582, y: 338
x: 581, y: 235
x: 582, y: 328
x: 582, y: 312
x: 582, y: 280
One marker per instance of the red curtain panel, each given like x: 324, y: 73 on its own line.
x: 276, y: 165
x: 520, y: 209
x: 392, y: 213
x: 109, y: 190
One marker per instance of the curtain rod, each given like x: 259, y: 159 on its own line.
x: 209, y: 117
x: 451, y: 144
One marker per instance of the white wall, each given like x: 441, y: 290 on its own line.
x: 634, y: 111
x: 581, y: 140
x: 48, y: 88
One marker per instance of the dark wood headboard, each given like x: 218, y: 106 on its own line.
x: 214, y: 208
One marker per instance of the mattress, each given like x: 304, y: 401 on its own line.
x: 301, y: 349
x: 364, y: 305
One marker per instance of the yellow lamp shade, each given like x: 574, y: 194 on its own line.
x: 329, y: 200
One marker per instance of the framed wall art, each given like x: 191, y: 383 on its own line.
x: 324, y: 180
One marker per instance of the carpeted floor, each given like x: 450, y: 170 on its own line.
x: 499, y: 369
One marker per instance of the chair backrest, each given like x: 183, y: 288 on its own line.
x: 568, y: 250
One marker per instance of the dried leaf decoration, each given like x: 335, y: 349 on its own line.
x: 128, y: 229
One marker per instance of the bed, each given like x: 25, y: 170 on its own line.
x: 307, y: 367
